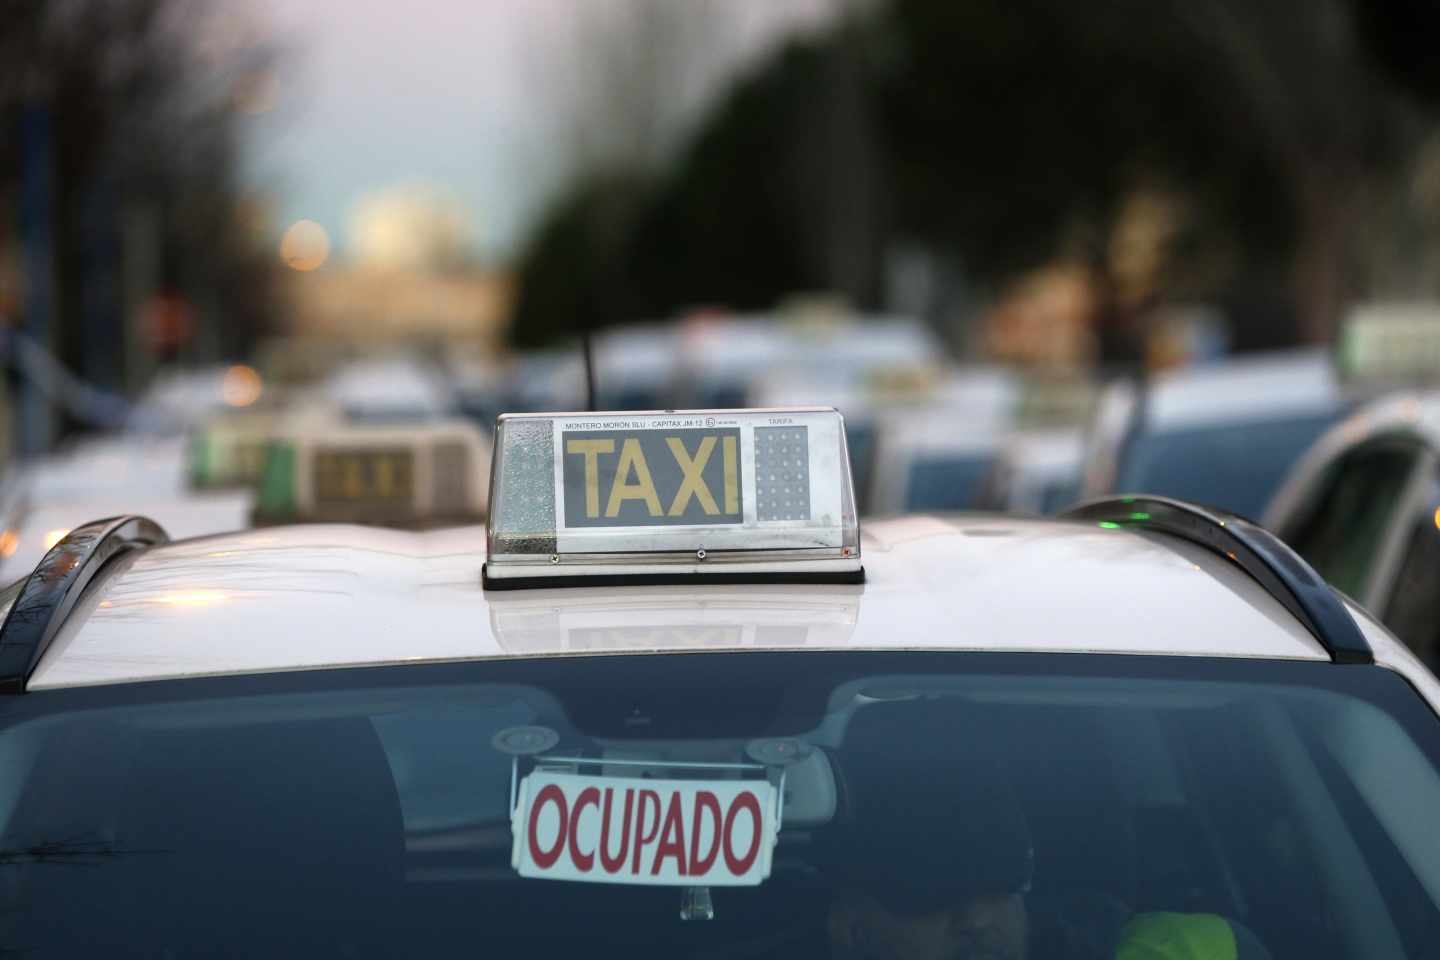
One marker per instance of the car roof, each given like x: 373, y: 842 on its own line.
x: 1052, y: 451
x: 307, y: 597
x: 37, y: 527
x: 387, y: 386
x: 1256, y: 387
x: 1417, y: 411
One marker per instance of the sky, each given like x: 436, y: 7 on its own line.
x: 461, y: 97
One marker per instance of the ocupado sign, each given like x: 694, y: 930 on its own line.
x: 713, y: 833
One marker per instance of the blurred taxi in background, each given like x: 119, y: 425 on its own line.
x: 1222, y: 434
x: 390, y: 389
x: 936, y: 455
x: 145, y: 467
x: 1038, y: 472
x: 485, y: 385
x: 1038, y: 469
x: 228, y: 449
x: 1363, y: 505
x: 405, y: 474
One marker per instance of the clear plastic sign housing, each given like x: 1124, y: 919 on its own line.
x: 723, y: 492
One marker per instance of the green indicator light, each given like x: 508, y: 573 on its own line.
x: 1107, y: 525
x: 276, y: 496
x: 1139, y: 516
x: 1127, y: 499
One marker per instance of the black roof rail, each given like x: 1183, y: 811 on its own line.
x: 50, y: 592
x: 1257, y: 551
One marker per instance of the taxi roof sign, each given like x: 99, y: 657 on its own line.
x: 736, y: 495
x: 407, y: 475
x: 1391, y: 342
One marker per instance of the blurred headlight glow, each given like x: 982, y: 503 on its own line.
x: 241, y: 386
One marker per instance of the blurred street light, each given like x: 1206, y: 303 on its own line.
x: 241, y: 386
x: 305, y: 246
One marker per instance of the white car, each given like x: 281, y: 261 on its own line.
x: 390, y: 390
x: 407, y: 474
x: 1223, y: 434
x: 938, y: 454
x: 667, y: 708
x: 1363, y: 507
x: 46, y: 497
x: 1038, y: 472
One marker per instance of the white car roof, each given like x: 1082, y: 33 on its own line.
x: 38, y: 528
x: 389, y: 387
x: 296, y: 598
x: 1255, y: 387
x: 123, y: 465
x: 178, y: 399
x: 1053, y: 452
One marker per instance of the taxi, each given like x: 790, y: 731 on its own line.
x: 1039, y: 467
x: 45, y: 497
x: 1038, y: 471
x: 324, y: 469
x: 1363, y: 507
x: 937, y: 455
x: 227, y: 450
x: 390, y: 389
x: 670, y: 701
x: 1224, y: 433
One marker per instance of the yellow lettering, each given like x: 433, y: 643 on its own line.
x: 591, y: 449
x: 384, y: 477
x: 632, y: 459
x: 694, y: 471
x: 732, y: 478
x: 354, y: 480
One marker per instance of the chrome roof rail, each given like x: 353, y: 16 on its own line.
x: 51, y: 591
x: 1257, y: 551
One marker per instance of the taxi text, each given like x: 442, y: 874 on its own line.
x: 652, y: 477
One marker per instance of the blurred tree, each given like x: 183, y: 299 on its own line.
x: 774, y: 195
x: 1398, y: 36
x: 1003, y: 135
x: 143, y: 100
x: 620, y: 86
x: 574, y: 274
x: 778, y: 191
x: 1327, y: 120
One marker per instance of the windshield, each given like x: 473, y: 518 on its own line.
x: 1047, y: 805
x: 946, y: 482
x: 1236, y: 466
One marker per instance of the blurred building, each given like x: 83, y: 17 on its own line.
x: 362, y: 303
x: 408, y: 275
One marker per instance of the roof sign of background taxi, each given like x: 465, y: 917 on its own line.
x: 728, y: 495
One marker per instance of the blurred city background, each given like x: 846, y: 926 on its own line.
x: 1033, y: 249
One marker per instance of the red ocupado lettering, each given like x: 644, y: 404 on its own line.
x: 640, y: 832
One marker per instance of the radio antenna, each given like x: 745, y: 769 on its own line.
x: 588, y: 349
